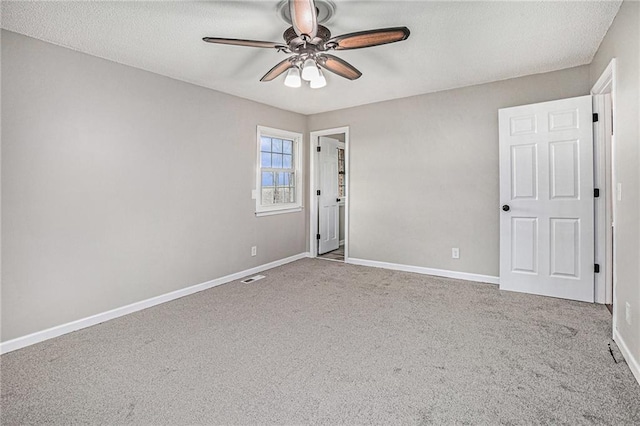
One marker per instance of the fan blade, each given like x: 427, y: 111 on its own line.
x: 303, y: 17
x: 338, y: 66
x: 277, y: 70
x: 240, y: 42
x: 369, y: 38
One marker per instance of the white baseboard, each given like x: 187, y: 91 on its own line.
x: 426, y: 271
x: 50, y: 333
x: 632, y: 362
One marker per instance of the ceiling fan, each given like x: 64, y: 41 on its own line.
x: 309, y: 42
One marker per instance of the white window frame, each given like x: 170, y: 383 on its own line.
x: 297, y: 160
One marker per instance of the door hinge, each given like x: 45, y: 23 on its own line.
x: 596, y: 192
x: 595, y: 117
x: 318, y: 149
x: 596, y: 268
x: 318, y: 192
x: 317, y: 236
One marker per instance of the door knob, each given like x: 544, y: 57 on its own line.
x: 338, y: 199
x: 506, y: 208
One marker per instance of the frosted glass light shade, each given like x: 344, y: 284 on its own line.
x: 309, y: 70
x: 319, y: 81
x: 293, y: 78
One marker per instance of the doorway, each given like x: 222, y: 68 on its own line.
x: 329, y: 175
x: 604, y: 101
x: 523, y: 258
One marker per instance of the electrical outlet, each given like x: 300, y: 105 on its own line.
x: 455, y: 253
x: 254, y: 251
x: 627, y: 313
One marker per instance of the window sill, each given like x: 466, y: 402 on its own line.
x: 279, y: 211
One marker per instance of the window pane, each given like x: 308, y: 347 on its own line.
x: 267, y: 196
x: 278, y: 197
x: 265, y: 159
x: 284, y: 191
x: 290, y: 195
x: 287, y: 147
x: 276, y: 161
x: 286, y: 161
x: 265, y: 144
x: 286, y: 179
x: 285, y: 195
x: 267, y: 179
x: 282, y: 179
x: 276, y: 145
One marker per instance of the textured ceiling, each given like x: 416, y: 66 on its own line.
x: 452, y: 44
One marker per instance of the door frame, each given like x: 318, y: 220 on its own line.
x: 606, y: 84
x: 314, y: 182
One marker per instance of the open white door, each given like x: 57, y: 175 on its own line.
x: 328, y: 201
x: 546, y: 194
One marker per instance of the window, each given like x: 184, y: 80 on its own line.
x: 278, y: 175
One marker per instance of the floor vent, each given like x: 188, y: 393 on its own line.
x: 252, y: 279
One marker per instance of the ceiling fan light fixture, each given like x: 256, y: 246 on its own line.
x: 318, y: 82
x: 310, y: 70
x: 293, y: 78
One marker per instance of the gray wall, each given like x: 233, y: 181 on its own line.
x: 424, y: 171
x: 623, y: 42
x: 119, y: 185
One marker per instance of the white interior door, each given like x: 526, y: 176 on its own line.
x: 328, y: 201
x: 546, y: 194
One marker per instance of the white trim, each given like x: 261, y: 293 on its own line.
x: 279, y: 211
x: 634, y: 364
x: 347, y: 189
x: 50, y: 333
x: 606, y: 78
x: 426, y: 271
x: 313, y: 199
x: 298, y: 152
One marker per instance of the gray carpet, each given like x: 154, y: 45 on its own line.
x: 328, y: 343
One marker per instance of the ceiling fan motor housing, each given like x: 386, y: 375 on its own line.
x: 298, y: 44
